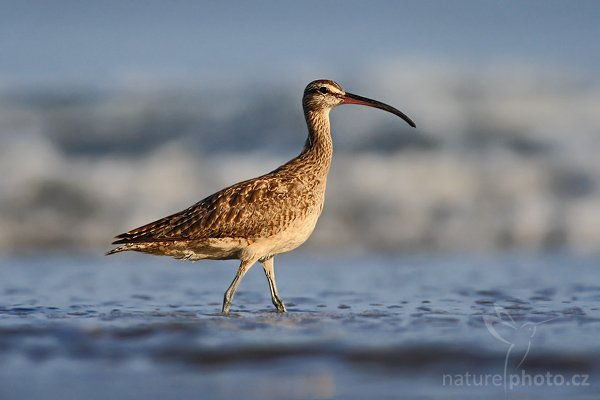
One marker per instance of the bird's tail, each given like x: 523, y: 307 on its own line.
x: 117, y: 250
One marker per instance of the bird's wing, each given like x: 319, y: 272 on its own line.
x: 256, y: 208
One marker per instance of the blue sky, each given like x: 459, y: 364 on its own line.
x: 83, y: 42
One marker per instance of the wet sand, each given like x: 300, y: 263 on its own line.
x: 358, y: 327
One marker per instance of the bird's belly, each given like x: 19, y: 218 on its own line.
x: 213, y: 249
x: 289, y: 239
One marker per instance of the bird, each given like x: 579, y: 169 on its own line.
x: 260, y: 218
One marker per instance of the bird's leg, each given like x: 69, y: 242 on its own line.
x: 270, y: 273
x: 228, y: 298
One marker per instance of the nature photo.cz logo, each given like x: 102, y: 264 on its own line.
x: 518, y: 339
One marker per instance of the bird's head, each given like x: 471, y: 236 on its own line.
x: 325, y: 94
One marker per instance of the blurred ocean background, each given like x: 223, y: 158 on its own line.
x: 116, y: 113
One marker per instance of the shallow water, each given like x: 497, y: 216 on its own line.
x: 137, y: 326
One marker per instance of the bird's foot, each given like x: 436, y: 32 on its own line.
x: 279, y: 305
x: 226, y: 306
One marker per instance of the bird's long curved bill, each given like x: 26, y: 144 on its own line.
x: 350, y: 98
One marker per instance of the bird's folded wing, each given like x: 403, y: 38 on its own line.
x: 256, y: 208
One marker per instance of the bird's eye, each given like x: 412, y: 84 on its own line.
x: 323, y: 90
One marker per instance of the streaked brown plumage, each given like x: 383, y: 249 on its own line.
x: 259, y: 218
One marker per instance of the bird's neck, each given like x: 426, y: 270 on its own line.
x: 318, y: 148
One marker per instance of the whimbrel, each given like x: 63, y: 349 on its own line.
x: 257, y: 219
